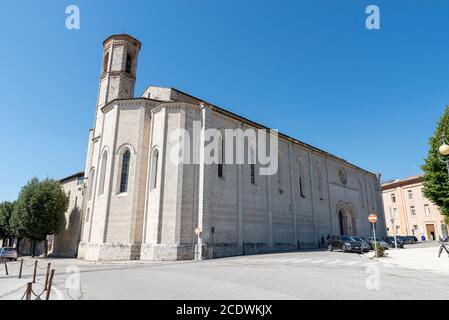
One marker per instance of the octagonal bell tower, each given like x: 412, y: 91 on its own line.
x: 118, y: 73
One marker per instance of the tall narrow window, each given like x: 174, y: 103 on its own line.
x: 253, y: 178
x: 280, y: 174
x: 252, y: 167
x: 319, y: 177
x: 221, y: 160
x: 106, y: 62
x: 427, y: 210
x: 154, y: 168
x: 393, y: 198
x: 129, y: 63
x: 104, y: 164
x: 301, y: 179
x: 395, y: 213
x: 362, y: 192
x: 125, y: 172
x: 91, y: 184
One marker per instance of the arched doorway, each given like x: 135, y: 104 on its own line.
x: 342, y: 221
x: 347, y: 221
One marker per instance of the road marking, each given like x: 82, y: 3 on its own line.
x: 318, y: 261
x: 301, y: 260
x: 264, y: 260
x: 286, y: 260
x: 334, y: 262
x: 270, y: 260
x: 258, y: 260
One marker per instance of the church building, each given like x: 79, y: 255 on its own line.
x: 139, y: 204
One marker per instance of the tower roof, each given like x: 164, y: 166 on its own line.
x: 123, y: 36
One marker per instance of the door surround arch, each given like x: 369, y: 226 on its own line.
x: 347, y: 219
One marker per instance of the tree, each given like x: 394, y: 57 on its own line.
x: 6, y: 231
x: 40, y: 210
x: 436, y: 180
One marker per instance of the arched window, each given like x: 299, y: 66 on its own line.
x: 129, y: 63
x: 104, y: 164
x: 91, y: 184
x: 124, y: 176
x: 301, y: 179
x: 319, y: 177
x: 106, y: 62
x: 362, y: 193
x: 154, y: 168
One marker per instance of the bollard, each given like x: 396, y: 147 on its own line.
x: 50, y: 282
x: 20, y: 270
x: 34, y: 272
x: 46, y: 276
x: 6, y: 268
x: 29, y: 290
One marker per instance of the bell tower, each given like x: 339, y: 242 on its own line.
x: 118, y: 72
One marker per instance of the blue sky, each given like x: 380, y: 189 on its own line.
x: 308, y: 68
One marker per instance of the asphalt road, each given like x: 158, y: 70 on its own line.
x: 297, y: 275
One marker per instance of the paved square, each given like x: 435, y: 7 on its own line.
x: 296, y: 275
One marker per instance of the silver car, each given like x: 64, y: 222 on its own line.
x: 8, y: 254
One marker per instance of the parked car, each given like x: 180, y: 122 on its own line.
x: 390, y: 241
x: 381, y: 241
x: 366, y: 246
x: 8, y: 254
x: 409, y: 239
x: 405, y: 239
x: 345, y: 243
x: 367, y: 240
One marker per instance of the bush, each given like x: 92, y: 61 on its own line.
x: 379, y: 250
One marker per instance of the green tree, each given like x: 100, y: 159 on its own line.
x: 6, y: 230
x: 436, y: 181
x: 40, y: 210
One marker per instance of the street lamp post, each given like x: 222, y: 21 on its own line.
x: 444, y: 151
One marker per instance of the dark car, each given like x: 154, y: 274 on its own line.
x: 380, y: 241
x: 369, y: 241
x: 409, y: 239
x: 366, y: 245
x: 391, y: 243
x: 345, y: 243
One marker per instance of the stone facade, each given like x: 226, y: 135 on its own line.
x: 139, y: 204
x: 66, y: 242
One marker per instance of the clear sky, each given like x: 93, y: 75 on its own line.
x: 308, y: 68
